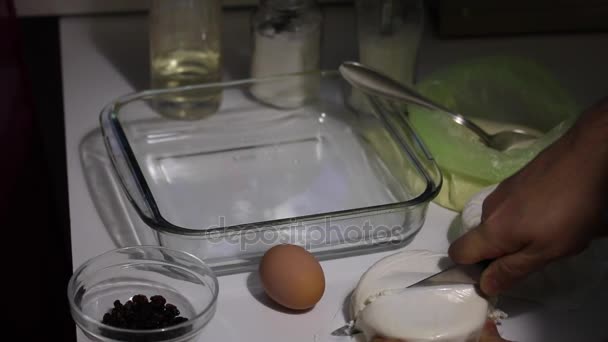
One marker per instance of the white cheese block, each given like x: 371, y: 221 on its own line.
x: 381, y: 305
x: 435, y: 313
x: 393, y: 273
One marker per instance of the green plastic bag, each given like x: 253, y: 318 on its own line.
x: 502, y: 89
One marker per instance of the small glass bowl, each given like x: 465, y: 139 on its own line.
x: 181, y: 278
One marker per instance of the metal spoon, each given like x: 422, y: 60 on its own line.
x: 375, y: 83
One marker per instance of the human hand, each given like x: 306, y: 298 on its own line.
x: 551, y: 208
x: 488, y: 334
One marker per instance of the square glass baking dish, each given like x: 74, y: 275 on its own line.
x: 298, y: 159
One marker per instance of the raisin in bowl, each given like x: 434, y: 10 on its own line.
x: 143, y: 293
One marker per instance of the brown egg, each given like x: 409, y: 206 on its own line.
x: 292, y: 277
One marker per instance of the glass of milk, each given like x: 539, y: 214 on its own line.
x: 389, y: 33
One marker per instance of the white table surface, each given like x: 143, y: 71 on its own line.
x: 104, y: 57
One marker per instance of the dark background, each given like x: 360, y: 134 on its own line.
x: 34, y: 210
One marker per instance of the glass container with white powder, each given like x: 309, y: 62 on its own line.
x: 286, y: 39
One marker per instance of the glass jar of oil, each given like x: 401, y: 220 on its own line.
x: 185, y: 50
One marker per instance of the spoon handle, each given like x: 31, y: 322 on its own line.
x: 373, y: 82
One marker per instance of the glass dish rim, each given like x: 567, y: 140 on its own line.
x: 97, y: 324
x: 159, y: 223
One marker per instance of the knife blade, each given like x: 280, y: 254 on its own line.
x: 455, y: 274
